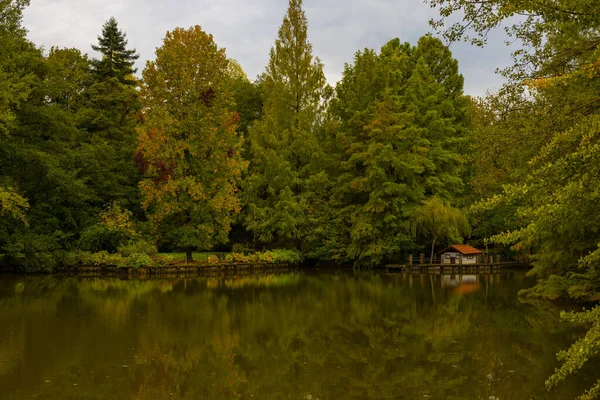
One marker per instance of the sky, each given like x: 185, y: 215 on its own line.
x: 248, y: 28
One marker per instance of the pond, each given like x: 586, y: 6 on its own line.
x: 308, y: 334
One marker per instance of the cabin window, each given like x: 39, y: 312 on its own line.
x: 447, y: 256
x: 470, y: 257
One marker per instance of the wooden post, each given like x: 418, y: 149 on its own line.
x: 460, y: 259
x: 421, y: 258
x: 410, y: 259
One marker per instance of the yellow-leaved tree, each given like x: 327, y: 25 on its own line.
x: 189, y: 150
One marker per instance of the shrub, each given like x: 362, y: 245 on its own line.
x: 32, y: 252
x: 213, y: 260
x: 285, y: 256
x: 237, y: 258
x: 274, y: 256
x: 162, y: 261
x: 98, y: 238
x: 100, y: 258
x: 137, y: 260
x: 141, y: 246
x: 242, y: 248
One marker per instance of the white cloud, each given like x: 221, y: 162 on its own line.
x: 247, y: 28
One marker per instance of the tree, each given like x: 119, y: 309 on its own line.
x: 440, y: 221
x: 117, y: 60
x: 401, y: 121
x: 434, y: 96
x: 109, y: 117
x: 188, y: 147
x: 281, y: 189
x: 555, y: 196
x: 11, y: 203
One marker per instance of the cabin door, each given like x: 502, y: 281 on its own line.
x: 452, y: 260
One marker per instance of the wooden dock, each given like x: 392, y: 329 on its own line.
x: 453, y: 268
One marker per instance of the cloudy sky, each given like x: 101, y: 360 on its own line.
x: 247, y: 29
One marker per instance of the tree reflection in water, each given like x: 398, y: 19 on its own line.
x: 319, y: 335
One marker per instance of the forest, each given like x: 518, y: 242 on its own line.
x: 190, y: 154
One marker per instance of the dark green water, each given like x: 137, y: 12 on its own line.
x: 305, y: 335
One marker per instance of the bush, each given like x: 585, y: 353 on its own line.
x: 98, y: 238
x: 162, y: 261
x: 101, y: 258
x: 32, y: 252
x: 285, y: 256
x: 237, y: 258
x: 213, y: 260
x: 241, y: 248
x: 274, y: 256
x: 137, y: 260
x: 141, y: 246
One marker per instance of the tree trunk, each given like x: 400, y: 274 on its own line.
x: 188, y: 255
x: 432, y: 248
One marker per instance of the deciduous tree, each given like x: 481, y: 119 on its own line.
x: 189, y: 150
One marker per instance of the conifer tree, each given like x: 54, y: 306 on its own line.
x: 399, y: 115
x: 434, y: 96
x: 109, y: 117
x: 281, y: 189
x: 117, y: 60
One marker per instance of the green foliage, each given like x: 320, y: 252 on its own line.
x: 282, y: 190
x: 137, y: 260
x: 402, y: 120
x: 285, y: 256
x: 437, y: 220
x: 551, y: 187
x: 11, y: 203
x: 99, y: 237
x: 189, y: 150
x: 580, y: 352
x: 117, y: 60
x: 141, y: 246
x: 98, y: 259
x: 163, y: 260
x: 33, y: 252
x: 269, y: 257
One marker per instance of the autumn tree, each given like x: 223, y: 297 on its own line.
x: 281, y: 190
x: 188, y: 147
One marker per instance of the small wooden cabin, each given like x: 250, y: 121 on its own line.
x: 460, y: 254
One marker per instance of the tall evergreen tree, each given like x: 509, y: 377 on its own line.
x: 117, y: 60
x: 109, y: 117
x: 398, y: 117
x: 434, y: 96
x: 280, y: 191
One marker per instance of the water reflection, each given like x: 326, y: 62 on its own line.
x: 318, y: 335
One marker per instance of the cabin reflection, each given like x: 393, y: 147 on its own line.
x: 461, y: 284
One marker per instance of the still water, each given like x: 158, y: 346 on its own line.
x: 302, y: 335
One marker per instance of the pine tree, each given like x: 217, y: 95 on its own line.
x: 281, y: 189
x: 109, y: 117
x: 117, y: 61
x: 189, y: 149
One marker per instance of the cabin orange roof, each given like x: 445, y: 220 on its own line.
x: 463, y: 249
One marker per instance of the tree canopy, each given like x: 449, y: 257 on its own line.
x: 188, y: 147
